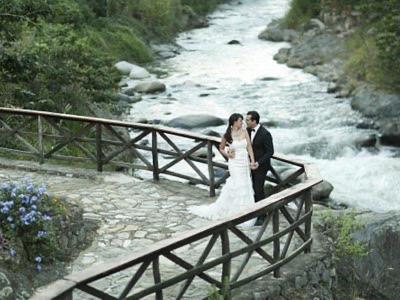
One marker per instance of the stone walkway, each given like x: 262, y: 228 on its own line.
x: 133, y: 214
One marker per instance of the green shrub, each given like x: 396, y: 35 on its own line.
x: 26, y: 216
x: 300, y: 12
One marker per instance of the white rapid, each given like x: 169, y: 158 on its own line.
x: 310, y: 124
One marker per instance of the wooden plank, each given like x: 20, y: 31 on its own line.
x: 277, y: 249
x: 40, y: 140
x: 99, y: 151
x: 290, y: 219
x: 134, y: 279
x: 154, y: 151
x: 272, y: 267
x: 307, y: 224
x: 248, y: 241
x: 248, y: 255
x: 95, y: 292
x: 184, y: 156
x: 226, y: 266
x: 202, y: 258
x: 211, y: 174
x: 20, y: 138
x: 70, y: 139
x: 157, y: 277
x: 290, y: 235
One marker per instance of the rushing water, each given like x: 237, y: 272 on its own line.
x: 311, y: 124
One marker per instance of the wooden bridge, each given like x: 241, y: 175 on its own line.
x: 48, y: 136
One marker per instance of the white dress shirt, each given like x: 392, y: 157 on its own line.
x: 253, y: 133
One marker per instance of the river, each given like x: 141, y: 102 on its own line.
x: 310, y: 124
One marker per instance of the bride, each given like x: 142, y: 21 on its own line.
x: 237, y: 194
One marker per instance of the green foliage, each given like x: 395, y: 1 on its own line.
x: 374, y: 49
x: 202, y: 7
x: 300, y: 12
x: 341, y: 228
x: 27, y: 216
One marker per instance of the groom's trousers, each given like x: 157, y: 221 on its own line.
x: 258, y: 177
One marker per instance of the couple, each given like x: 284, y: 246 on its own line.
x: 249, y: 153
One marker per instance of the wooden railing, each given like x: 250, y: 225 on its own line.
x: 222, y: 254
x: 103, y: 142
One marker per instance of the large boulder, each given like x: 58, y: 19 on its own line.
x: 124, y: 67
x: 382, y: 107
x: 138, y: 73
x: 150, y: 87
x: 322, y: 191
x: 275, y: 33
x: 377, y: 272
x: 195, y: 121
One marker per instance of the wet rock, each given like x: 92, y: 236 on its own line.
x: 282, y: 56
x: 129, y: 91
x: 234, y: 42
x: 390, y: 130
x: 124, y: 67
x: 322, y: 191
x: 269, y: 79
x: 203, y: 153
x: 276, y: 33
x: 212, y: 133
x: 138, y: 73
x: 150, y: 87
x: 375, y: 273
x: 204, y: 95
x: 129, y: 99
x: 332, y: 88
x: 195, y: 121
x: 369, y: 141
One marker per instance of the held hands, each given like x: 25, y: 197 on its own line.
x: 254, y: 165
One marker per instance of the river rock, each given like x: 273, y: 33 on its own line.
x: 282, y: 56
x: 195, y: 121
x: 150, y: 87
x: 376, y: 274
x: 275, y: 33
x: 332, y: 88
x: 138, y: 73
x: 369, y: 141
x: 129, y: 99
x: 129, y: 91
x: 124, y: 67
x: 322, y: 191
x: 382, y: 107
x: 212, y: 133
x: 234, y: 42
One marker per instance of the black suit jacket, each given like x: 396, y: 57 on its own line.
x: 263, y: 147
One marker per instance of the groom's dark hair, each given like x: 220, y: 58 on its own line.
x: 254, y: 116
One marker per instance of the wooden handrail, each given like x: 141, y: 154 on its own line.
x: 273, y: 206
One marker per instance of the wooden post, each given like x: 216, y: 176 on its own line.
x: 40, y: 140
x: 154, y: 151
x: 99, y: 155
x: 211, y: 168
x: 308, y: 224
x: 277, y: 250
x: 226, y: 267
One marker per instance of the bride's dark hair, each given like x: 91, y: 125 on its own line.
x: 232, y: 119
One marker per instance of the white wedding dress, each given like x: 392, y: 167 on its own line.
x: 237, y: 194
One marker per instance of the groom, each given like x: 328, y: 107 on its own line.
x: 263, y: 149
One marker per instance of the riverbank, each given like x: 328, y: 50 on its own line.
x: 60, y: 56
x: 322, y: 47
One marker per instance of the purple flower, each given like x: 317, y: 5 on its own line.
x: 22, y: 210
x: 34, y: 199
x: 13, y: 253
x: 42, y: 190
x: 38, y: 259
x: 34, y: 207
x: 5, y: 210
x: 10, y: 219
x: 46, y: 217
